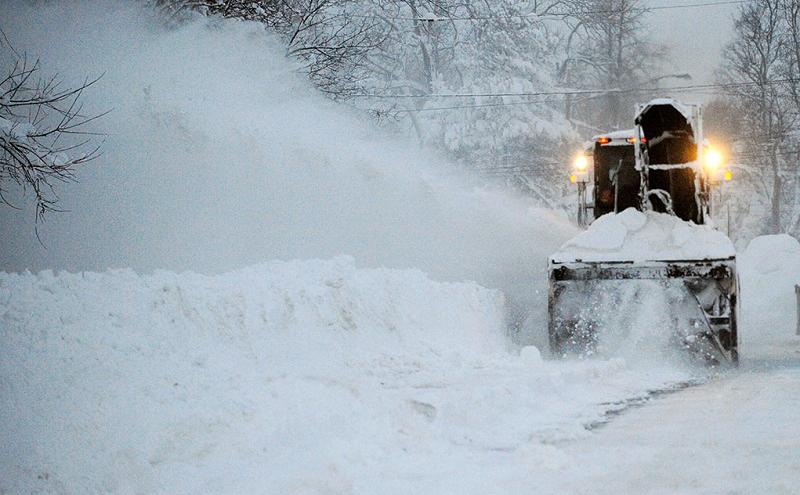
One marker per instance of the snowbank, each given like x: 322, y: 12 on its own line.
x: 286, y: 377
x: 769, y: 269
x: 113, y: 379
x: 644, y: 236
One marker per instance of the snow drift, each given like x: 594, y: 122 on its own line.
x: 145, y: 383
x: 644, y: 236
x: 286, y: 377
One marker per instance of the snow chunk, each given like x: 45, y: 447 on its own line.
x: 605, y: 234
x: 636, y: 236
x: 632, y: 219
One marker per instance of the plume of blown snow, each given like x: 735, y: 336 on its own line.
x: 219, y: 154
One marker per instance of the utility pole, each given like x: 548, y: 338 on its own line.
x: 728, y: 214
x: 428, y: 20
x: 797, y: 293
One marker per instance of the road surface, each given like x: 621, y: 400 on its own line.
x: 737, y: 434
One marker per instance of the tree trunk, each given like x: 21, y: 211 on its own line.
x: 775, y: 214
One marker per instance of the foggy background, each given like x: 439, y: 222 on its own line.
x: 216, y: 157
x: 695, y: 37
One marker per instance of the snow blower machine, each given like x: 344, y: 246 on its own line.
x: 644, y: 196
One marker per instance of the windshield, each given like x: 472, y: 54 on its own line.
x: 616, y: 179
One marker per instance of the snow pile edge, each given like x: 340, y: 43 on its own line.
x: 329, y: 301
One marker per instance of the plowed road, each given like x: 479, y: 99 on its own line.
x: 738, y: 434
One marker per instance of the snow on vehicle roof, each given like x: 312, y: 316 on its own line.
x: 684, y: 109
x: 636, y: 236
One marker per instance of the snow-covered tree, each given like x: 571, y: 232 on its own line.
x: 607, y: 47
x: 328, y: 37
x: 760, y: 71
x: 478, y: 51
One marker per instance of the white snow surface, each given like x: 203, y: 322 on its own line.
x: 315, y: 377
x: 285, y: 377
x: 769, y: 269
x: 638, y: 236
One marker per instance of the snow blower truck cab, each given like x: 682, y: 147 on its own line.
x: 650, y: 255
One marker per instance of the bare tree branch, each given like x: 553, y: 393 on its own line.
x: 39, y: 124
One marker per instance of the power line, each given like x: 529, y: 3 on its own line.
x: 537, y: 166
x: 697, y: 5
x: 549, y: 15
x: 481, y: 105
x: 549, y: 95
x: 691, y: 87
x: 767, y: 154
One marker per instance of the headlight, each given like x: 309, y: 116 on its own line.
x: 581, y: 163
x: 712, y: 159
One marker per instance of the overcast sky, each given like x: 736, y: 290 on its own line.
x: 695, y: 36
